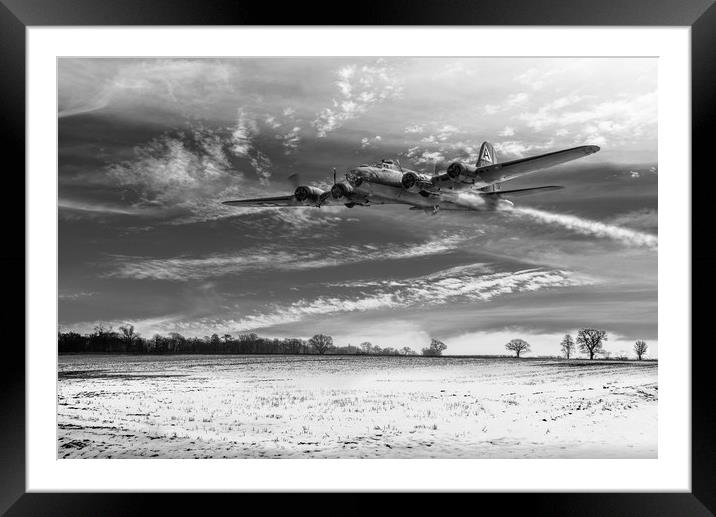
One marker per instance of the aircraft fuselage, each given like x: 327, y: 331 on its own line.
x: 385, y: 183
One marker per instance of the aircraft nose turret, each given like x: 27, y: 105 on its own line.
x: 356, y: 175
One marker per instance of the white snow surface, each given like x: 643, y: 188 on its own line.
x: 354, y: 407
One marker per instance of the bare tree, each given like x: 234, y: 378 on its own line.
x: 366, y: 347
x: 567, y: 345
x: 406, y: 350
x: 177, y: 342
x: 517, y: 346
x: 159, y: 344
x: 227, y: 341
x: 591, y: 341
x: 640, y: 347
x: 128, y: 337
x: 436, y: 348
x: 321, y: 343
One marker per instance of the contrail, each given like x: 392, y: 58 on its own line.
x: 589, y: 227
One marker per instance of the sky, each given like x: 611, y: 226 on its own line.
x: 148, y: 149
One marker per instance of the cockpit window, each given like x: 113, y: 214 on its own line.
x: 385, y: 164
x: 354, y: 178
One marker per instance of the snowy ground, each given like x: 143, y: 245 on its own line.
x: 354, y: 407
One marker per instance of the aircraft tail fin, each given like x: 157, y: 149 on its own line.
x: 486, y: 155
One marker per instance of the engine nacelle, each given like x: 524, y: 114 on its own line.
x: 414, y: 182
x: 304, y: 194
x: 342, y: 189
x: 459, y: 171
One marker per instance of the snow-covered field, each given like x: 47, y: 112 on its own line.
x: 354, y: 407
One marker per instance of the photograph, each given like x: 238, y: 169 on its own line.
x: 357, y: 257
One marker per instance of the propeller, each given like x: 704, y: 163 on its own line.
x: 295, y: 180
x: 322, y: 198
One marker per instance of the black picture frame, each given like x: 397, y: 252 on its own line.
x: 17, y: 15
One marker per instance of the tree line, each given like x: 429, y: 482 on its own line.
x: 589, y: 341
x: 126, y: 340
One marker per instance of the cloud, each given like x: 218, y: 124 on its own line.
x: 76, y: 295
x: 416, y: 128
x: 512, y: 101
x: 645, y: 219
x: 272, y: 258
x: 291, y: 140
x: 421, y: 156
x: 368, y: 142
x: 621, y: 119
x: 88, y: 85
x: 445, y: 132
x: 272, y: 122
x: 359, y: 88
x: 534, y: 78
x: 242, y: 146
x: 517, y: 149
x: 101, y: 208
x: 190, y: 172
x: 508, y: 131
x: 458, y: 285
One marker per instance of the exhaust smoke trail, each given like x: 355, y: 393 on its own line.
x: 589, y: 227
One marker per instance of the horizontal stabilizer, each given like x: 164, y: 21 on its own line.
x: 522, y: 191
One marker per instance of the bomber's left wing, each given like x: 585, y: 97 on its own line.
x: 265, y: 202
x: 513, y: 169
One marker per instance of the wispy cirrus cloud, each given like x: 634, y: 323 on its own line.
x: 89, y: 85
x: 461, y: 284
x: 359, y: 88
x: 272, y: 258
x: 242, y: 146
x: 99, y: 209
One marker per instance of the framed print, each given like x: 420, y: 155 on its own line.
x: 414, y: 254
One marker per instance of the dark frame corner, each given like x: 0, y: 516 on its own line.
x: 17, y: 15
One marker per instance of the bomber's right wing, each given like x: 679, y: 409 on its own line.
x: 513, y: 169
x: 521, y: 191
x: 265, y: 202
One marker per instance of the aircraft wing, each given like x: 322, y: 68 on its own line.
x: 265, y: 202
x: 522, y: 191
x: 516, y: 168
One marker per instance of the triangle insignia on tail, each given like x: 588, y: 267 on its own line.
x: 486, y: 155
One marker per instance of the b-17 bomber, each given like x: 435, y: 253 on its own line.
x: 387, y: 182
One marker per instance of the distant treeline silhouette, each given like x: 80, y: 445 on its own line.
x: 105, y: 340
